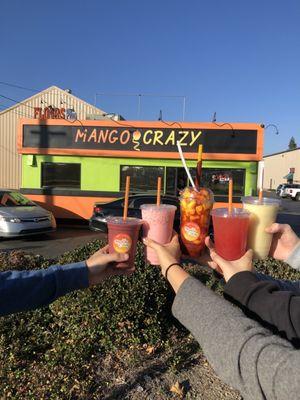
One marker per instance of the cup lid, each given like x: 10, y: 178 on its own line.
x: 155, y: 207
x: 235, y: 212
x: 268, y: 201
x: 127, y: 221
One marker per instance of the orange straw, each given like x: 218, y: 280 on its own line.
x: 200, y: 149
x: 125, y: 211
x: 230, y: 190
x: 260, y: 195
x: 158, y: 191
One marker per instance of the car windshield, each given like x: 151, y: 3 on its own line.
x: 14, y: 199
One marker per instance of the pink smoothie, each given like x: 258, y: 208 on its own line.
x: 157, y: 225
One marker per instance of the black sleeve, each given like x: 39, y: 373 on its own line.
x: 277, y: 309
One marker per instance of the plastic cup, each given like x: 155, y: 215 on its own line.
x: 123, y: 236
x: 263, y: 214
x: 157, y: 225
x: 230, y: 232
x: 195, y: 207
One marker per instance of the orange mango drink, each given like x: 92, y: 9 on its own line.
x: 195, y: 208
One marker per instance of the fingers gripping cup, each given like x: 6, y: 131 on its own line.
x: 230, y: 232
x: 157, y: 225
x: 123, y: 236
x: 263, y: 214
x: 195, y: 209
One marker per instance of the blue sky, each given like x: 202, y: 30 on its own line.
x: 238, y: 59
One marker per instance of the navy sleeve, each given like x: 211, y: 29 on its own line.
x: 278, y: 309
x: 27, y: 290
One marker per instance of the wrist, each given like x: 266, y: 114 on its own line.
x: 171, y: 260
x: 173, y: 265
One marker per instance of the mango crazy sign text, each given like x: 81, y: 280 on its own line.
x: 137, y: 139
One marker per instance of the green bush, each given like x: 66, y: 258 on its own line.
x: 56, y: 352
x: 56, y: 349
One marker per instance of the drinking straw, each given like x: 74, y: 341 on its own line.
x: 199, y: 166
x: 185, y: 166
x: 158, y: 191
x: 260, y: 193
x: 200, y: 149
x: 125, y: 211
x: 230, y: 190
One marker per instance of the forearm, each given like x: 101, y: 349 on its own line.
x: 176, y: 276
x: 294, y: 258
x: 291, y: 286
x: 279, y: 309
x: 26, y: 290
x: 245, y: 355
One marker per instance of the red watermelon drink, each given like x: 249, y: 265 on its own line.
x: 195, y: 207
x: 123, y: 236
x: 230, y: 232
x: 158, y: 223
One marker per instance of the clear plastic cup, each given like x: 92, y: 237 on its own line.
x: 263, y: 215
x: 230, y: 232
x: 123, y: 236
x: 195, y: 207
x: 157, y: 225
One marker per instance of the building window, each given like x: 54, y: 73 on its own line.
x: 142, y: 178
x: 61, y: 175
x: 218, y: 179
x: 215, y: 179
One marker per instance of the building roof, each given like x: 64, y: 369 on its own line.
x: 49, y: 89
x: 281, y: 152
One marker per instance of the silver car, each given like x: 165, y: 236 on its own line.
x: 20, y: 216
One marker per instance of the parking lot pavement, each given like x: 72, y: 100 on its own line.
x: 53, y: 244
x: 289, y: 212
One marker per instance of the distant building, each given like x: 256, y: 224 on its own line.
x: 282, y: 167
x: 50, y: 103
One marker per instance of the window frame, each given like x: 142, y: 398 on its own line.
x: 139, y: 191
x: 56, y: 164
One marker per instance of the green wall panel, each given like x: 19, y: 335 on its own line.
x: 103, y: 173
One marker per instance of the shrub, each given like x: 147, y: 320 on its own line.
x: 56, y: 352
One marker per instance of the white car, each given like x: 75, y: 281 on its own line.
x: 293, y: 191
x: 20, y: 216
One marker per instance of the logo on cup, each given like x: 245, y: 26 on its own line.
x: 122, y: 243
x: 190, y: 231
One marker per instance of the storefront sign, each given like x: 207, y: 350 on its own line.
x: 49, y: 113
x: 150, y: 139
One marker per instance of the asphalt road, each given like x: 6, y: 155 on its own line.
x: 65, y: 239
x: 52, y: 245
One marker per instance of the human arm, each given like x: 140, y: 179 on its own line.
x: 277, y: 308
x: 285, y: 244
x: 26, y: 290
x: 243, y: 354
x: 280, y: 309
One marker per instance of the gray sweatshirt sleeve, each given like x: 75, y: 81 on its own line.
x: 294, y: 259
x: 244, y: 354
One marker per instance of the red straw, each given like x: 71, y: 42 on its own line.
x: 126, y: 198
x: 230, y: 190
x: 158, y: 191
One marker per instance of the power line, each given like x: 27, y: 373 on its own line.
x: 18, y: 87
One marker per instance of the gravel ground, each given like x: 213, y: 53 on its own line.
x: 136, y: 375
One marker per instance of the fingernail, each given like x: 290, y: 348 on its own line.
x: 145, y: 240
x: 124, y: 256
